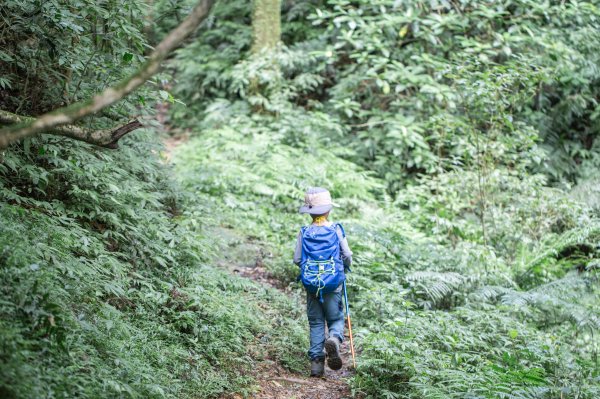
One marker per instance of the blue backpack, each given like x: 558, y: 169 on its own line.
x: 321, y: 267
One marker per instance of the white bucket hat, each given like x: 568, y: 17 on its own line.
x: 317, y: 201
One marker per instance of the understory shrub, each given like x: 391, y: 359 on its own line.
x: 107, y: 288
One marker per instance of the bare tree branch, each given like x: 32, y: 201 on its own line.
x: 49, y: 122
x: 104, y: 138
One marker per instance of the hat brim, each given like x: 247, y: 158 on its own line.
x: 315, y: 210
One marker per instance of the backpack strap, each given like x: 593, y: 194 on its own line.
x: 343, y: 236
x: 341, y: 228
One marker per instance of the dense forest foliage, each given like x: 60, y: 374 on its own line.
x: 460, y: 139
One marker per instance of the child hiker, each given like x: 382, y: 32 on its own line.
x: 323, y: 254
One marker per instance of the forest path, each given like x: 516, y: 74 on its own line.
x: 245, y: 258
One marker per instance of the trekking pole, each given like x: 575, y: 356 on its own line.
x: 349, y: 325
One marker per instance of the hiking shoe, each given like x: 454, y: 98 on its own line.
x: 332, y: 347
x: 317, y: 367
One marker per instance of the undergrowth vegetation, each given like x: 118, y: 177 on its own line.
x: 436, y: 127
x: 459, y: 139
x: 107, y: 286
x: 107, y: 283
x: 510, y: 315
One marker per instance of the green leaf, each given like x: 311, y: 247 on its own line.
x: 127, y: 57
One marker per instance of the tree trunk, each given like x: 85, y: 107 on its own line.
x: 266, y: 24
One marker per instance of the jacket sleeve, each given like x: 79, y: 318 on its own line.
x: 345, y: 252
x: 298, y: 251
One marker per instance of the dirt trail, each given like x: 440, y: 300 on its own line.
x: 274, y: 381
x: 171, y: 143
x: 278, y: 383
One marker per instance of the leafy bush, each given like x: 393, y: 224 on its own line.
x: 56, y: 53
x: 449, y: 132
x: 107, y: 292
x: 441, y: 310
x: 473, y: 277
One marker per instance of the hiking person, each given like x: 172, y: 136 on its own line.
x: 323, y: 254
